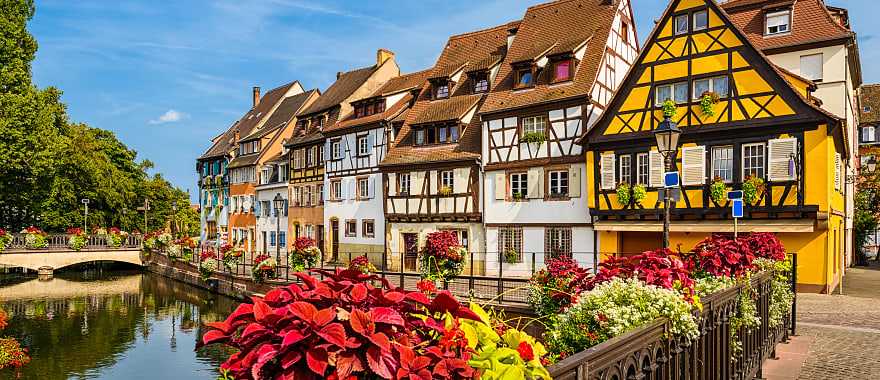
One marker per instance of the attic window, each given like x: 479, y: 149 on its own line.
x: 441, y: 89
x: 681, y: 24
x: 481, y: 82
x: 563, y: 70
x: 701, y: 20
x: 524, y: 78
x: 778, y: 22
x: 369, y: 108
x: 866, y: 109
x: 437, y: 134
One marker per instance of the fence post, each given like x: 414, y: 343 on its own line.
x: 384, y: 258
x: 794, y: 291
x: 471, y: 279
x: 500, y: 278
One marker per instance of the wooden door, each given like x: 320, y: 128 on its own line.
x: 410, y: 251
x: 334, y: 249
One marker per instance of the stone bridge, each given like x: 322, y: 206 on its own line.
x: 57, y: 252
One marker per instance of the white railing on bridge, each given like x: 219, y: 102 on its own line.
x: 61, y: 242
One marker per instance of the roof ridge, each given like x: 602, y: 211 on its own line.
x: 557, y: 2
x: 283, y: 85
x: 484, y: 30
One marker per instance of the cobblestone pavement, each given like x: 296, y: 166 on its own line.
x: 844, y: 330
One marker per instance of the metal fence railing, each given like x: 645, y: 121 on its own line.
x: 61, y: 242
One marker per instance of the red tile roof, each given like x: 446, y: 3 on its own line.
x: 811, y: 22
x: 346, y: 84
x: 548, y: 29
x: 460, y: 51
x: 869, y: 96
x: 407, y: 82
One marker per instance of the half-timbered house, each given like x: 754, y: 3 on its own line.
x: 745, y: 123
x: 565, y: 61
x: 355, y: 146
x: 310, y: 145
x: 432, y: 175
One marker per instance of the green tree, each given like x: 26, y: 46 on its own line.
x: 867, y: 206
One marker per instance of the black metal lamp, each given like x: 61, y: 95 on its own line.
x: 667, y: 134
x: 278, y: 202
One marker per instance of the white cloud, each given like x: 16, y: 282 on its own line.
x: 170, y: 116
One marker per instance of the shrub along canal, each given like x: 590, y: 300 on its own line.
x: 103, y: 322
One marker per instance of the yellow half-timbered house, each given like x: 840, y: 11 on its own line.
x: 743, y: 122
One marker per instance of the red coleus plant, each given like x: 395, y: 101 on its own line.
x: 208, y: 254
x: 76, y: 231
x: 303, y: 242
x: 556, y: 287
x: 344, y: 326
x: 660, y: 267
x: 720, y: 255
x: 443, y: 244
x: 765, y: 245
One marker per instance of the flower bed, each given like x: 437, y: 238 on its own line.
x: 344, y: 327
x: 77, y: 239
x: 35, y: 238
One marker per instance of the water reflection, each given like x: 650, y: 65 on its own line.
x: 112, y: 325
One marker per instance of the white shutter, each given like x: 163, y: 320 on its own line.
x: 693, y: 165
x: 417, y: 179
x: 500, y: 186
x: 352, y: 190
x: 371, y: 187
x: 392, y: 183
x: 780, y: 153
x: 536, y: 183
x: 607, y: 168
x: 656, y: 168
x: 326, y: 151
x: 574, y: 182
x: 326, y: 190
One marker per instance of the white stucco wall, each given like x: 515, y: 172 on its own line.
x: 533, y: 246
x: 351, y: 208
x: 270, y: 223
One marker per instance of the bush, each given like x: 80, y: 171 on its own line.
x: 615, y: 307
x: 5, y: 239
x: 556, y: 287
x: 781, y: 296
x: 720, y: 255
x: 443, y: 256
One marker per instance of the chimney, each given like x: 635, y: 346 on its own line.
x: 383, y: 55
x: 256, y: 96
x: 338, y: 74
x: 235, y: 137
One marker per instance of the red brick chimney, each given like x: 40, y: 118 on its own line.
x: 256, y: 96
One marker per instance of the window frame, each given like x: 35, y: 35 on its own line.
x: 624, y: 158
x: 336, y: 147
x: 510, y: 237
x: 675, y: 22
x: 550, y: 194
x: 555, y: 68
x: 362, y: 184
x: 643, y: 161
x: 821, y: 57
x: 437, y: 86
x: 365, y: 139
x: 349, y: 223
x: 672, y: 86
x: 522, y: 180
x: 768, y: 15
x: 372, y: 228
x: 744, y: 157
x: 696, y: 95
x: 400, y: 182
x: 714, y: 165
x: 564, y: 235
x: 451, y: 131
x: 443, y: 177
x: 478, y: 78
x: 693, y: 26
x: 335, y: 190
x: 545, y: 119
x: 872, y: 134
x: 520, y: 73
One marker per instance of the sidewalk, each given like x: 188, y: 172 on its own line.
x: 838, y: 335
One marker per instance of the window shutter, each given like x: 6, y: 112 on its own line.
x: 371, y: 187
x: 608, y: 175
x: 536, y: 183
x: 417, y: 180
x: 574, y: 182
x: 392, y: 183
x: 257, y: 209
x: 326, y: 191
x: 326, y: 150
x: 371, y: 141
x: 693, y: 164
x: 780, y: 152
x: 500, y: 186
x: 352, y: 189
x: 655, y: 169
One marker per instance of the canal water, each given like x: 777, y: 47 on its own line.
x: 103, y: 323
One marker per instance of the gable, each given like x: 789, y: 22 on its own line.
x: 756, y: 96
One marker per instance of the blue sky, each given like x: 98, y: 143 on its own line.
x: 167, y: 76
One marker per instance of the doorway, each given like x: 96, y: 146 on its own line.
x: 334, y: 249
x: 320, y: 237
x: 410, y: 251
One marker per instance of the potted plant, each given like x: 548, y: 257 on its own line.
x: 5, y: 239
x: 639, y: 193
x: 517, y: 196
x: 231, y: 255
x: 305, y: 254
x: 669, y: 109
x: 537, y: 138
x: 445, y: 191
x: 624, y: 195
x: 208, y: 265
x: 264, y: 268
x: 362, y: 264
x: 115, y: 236
x: 718, y: 190
x: 77, y: 239
x: 187, y: 246
x: 443, y: 256
x: 35, y: 238
x: 511, y: 256
x: 753, y: 189
x: 708, y: 100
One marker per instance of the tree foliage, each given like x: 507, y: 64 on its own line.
x: 48, y: 164
x: 867, y: 205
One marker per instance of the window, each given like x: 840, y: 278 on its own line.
x: 562, y: 70
x: 368, y: 108
x: 437, y: 134
x: 336, y: 190
x: 722, y: 163
x: 510, y: 240
x: 534, y: 124
x: 701, y: 20
x: 282, y: 173
x: 681, y: 24
x: 363, y: 145
x: 642, y: 169
x: 420, y: 137
x: 866, y: 109
x: 811, y: 66
x: 481, y: 82
x: 297, y: 196
x: 403, y: 180
x: 363, y: 188
x: 868, y: 134
x: 557, y: 241
x: 753, y: 160
x: 558, y: 183
x: 282, y: 239
x: 624, y: 31
x: 320, y: 155
x: 447, y: 180
x: 441, y: 90
x: 519, y: 185
x: 626, y: 169
x: 524, y: 78
x: 271, y: 238
x: 351, y: 228
x: 310, y: 156
x: 778, y: 22
x: 266, y: 208
x: 319, y: 191
x: 336, y: 149
x: 307, y: 195
x: 717, y: 85
x: 369, y: 226
x: 676, y: 91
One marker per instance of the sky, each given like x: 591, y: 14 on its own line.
x: 167, y: 76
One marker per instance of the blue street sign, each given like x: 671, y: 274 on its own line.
x: 670, y: 179
x: 736, y: 206
x: 736, y: 194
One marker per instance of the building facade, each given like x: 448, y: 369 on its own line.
x: 213, y: 186
x: 765, y: 125
x: 813, y: 40
x: 869, y: 146
x: 271, y: 235
x: 563, y: 66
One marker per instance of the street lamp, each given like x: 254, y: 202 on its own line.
x: 872, y: 165
x: 85, y: 202
x: 173, y: 218
x: 278, y: 202
x: 667, y: 134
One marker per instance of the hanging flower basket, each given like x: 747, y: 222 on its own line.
x: 624, y: 196
x: 265, y: 267
x: 443, y: 256
x: 753, y: 189
x: 305, y: 254
x: 708, y: 100
x: 511, y: 256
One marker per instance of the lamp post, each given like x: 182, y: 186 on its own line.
x: 122, y: 220
x: 667, y: 134
x: 145, y: 208
x: 85, y: 202
x: 173, y: 218
x: 278, y: 202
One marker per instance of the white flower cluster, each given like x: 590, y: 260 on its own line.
x: 707, y: 285
x: 210, y: 264
x: 173, y: 250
